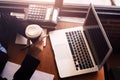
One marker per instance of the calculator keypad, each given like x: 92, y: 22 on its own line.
x: 37, y: 12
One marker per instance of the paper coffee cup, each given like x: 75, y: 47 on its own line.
x: 33, y: 31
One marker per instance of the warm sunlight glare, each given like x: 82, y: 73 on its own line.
x: 44, y: 0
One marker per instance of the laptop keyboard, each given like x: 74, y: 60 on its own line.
x: 79, y: 50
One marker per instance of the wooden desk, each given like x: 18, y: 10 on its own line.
x: 47, y: 59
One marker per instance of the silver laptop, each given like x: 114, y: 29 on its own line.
x: 83, y: 49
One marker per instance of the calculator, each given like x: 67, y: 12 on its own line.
x: 44, y: 14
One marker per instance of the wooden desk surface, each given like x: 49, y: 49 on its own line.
x: 47, y: 59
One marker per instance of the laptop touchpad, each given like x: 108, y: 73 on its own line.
x: 62, y: 51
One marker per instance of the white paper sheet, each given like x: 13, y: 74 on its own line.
x: 21, y: 40
x: 72, y: 19
x: 11, y: 68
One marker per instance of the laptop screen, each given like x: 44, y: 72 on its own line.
x: 96, y: 37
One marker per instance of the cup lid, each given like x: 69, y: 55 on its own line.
x: 33, y: 31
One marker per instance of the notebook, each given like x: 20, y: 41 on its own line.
x: 83, y: 49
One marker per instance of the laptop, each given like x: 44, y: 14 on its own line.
x: 83, y: 49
